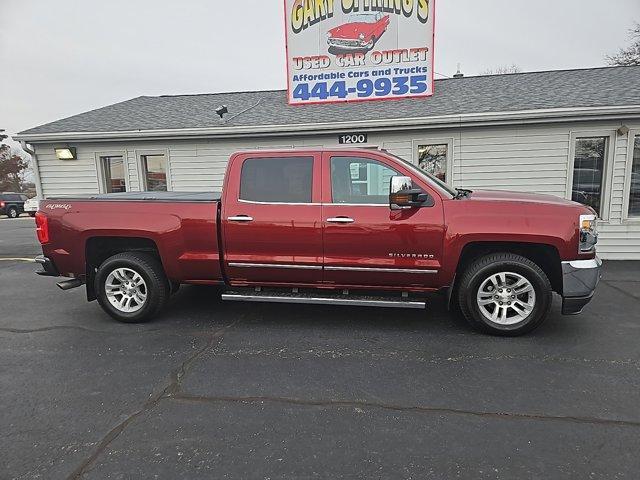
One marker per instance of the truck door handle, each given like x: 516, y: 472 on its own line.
x: 241, y: 218
x: 340, y: 220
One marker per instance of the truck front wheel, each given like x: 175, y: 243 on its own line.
x: 504, y: 294
x: 131, y: 286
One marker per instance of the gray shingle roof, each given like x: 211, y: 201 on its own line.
x: 597, y: 87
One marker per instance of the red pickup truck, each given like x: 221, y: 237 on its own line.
x: 346, y: 227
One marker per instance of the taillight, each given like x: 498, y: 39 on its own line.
x: 42, y: 227
x: 1, y: 204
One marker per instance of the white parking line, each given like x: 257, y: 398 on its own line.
x: 30, y: 260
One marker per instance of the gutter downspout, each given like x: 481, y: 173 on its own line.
x: 36, y: 168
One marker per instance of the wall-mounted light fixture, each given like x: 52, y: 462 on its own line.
x: 66, y: 153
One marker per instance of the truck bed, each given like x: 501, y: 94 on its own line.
x: 181, y: 226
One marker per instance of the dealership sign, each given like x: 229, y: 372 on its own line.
x: 349, y: 50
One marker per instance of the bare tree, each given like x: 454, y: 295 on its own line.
x: 630, y: 55
x: 502, y: 70
x: 12, y: 169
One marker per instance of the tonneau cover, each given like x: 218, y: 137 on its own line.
x: 147, y: 196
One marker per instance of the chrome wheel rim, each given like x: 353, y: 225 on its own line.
x: 506, y: 298
x: 13, y: 213
x: 126, y: 290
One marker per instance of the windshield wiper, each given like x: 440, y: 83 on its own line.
x: 462, y: 193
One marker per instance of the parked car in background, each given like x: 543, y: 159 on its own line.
x: 12, y: 204
x: 31, y: 206
x: 360, y: 34
x: 342, y: 227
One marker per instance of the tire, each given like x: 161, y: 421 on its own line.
x: 141, y: 302
x: 32, y: 214
x: 13, y: 212
x: 519, y: 310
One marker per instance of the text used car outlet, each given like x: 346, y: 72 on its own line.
x: 342, y: 227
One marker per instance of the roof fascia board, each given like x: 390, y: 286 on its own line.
x: 471, y: 119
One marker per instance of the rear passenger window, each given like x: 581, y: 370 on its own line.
x: 277, y: 180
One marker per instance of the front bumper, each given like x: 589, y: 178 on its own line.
x: 352, y: 45
x: 579, y: 281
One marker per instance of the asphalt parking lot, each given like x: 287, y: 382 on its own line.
x: 231, y: 390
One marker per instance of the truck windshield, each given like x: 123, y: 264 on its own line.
x: 427, y: 177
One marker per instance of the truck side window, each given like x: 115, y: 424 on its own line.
x: 277, y: 180
x: 360, y: 181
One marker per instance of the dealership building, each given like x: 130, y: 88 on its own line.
x: 569, y: 133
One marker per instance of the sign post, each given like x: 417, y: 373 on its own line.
x: 354, y: 50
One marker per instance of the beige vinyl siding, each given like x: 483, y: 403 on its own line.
x: 67, y: 177
x: 526, y: 159
x: 132, y: 169
x: 514, y: 159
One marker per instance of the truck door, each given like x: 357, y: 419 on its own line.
x: 365, y: 242
x: 271, y: 220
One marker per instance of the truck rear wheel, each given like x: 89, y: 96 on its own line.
x: 504, y: 294
x: 131, y: 287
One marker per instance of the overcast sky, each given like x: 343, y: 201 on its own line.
x: 63, y: 57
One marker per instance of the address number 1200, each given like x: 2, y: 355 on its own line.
x: 380, y: 87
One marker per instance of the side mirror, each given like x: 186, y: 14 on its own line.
x: 402, y: 195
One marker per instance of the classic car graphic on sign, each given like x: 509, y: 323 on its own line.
x: 360, y: 34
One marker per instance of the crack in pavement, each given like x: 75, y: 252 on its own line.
x: 54, y: 327
x: 401, y: 408
x: 417, y: 356
x: 169, y: 390
x: 196, y: 333
x: 606, y: 282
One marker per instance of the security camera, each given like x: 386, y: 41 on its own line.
x: 221, y: 110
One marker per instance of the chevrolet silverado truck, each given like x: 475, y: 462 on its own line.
x: 341, y: 227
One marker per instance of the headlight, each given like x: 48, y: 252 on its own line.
x: 588, y: 233
x: 361, y: 36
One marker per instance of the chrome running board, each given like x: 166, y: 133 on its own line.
x: 319, y: 299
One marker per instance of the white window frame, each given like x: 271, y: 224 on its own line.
x: 102, y: 187
x: 142, y: 180
x: 448, y: 141
x: 626, y: 192
x: 607, y: 168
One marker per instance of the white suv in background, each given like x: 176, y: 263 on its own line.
x: 31, y: 206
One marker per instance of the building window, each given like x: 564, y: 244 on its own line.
x: 277, y: 180
x: 588, y: 169
x: 360, y: 181
x: 113, y: 174
x: 433, y: 160
x: 634, y: 192
x: 154, y: 172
